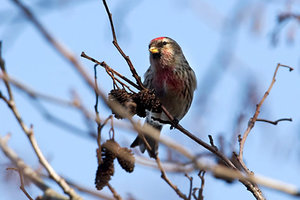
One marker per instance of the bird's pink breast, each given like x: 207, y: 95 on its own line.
x: 165, y: 79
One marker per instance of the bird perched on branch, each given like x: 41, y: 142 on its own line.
x: 173, y: 82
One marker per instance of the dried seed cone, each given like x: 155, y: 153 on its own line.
x: 146, y: 100
x: 106, y: 168
x: 126, y: 159
x: 124, y: 98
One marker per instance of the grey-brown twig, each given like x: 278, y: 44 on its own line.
x: 164, y: 177
x: 22, y: 187
x: 115, y: 42
x: 29, y: 172
x: 274, y: 122
x: 255, y: 115
x: 114, y: 192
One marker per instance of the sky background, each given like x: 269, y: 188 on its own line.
x: 227, y: 43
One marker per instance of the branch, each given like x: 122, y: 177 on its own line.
x: 191, y: 185
x: 257, y: 111
x: 106, y: 67
x: 29, y: 172
x: 29, y: 133
x: 114, y: 192
x: 115, y: 42
x: 59, y: 180
x: 21, y: 182
x: 200, y: 194
x: 274, y: 122
x: 164, y: 177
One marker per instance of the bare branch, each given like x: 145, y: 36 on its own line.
x: 200, y: 194
x: 29, y: 172
x: 274, y: 122
x: 114, y: 192
x: 115, y: 42
x: 164, y: 177
x: 191, y: 185
x: 257, y: 111
x: 21, y: 182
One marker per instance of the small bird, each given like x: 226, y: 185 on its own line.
x: 173, y: 82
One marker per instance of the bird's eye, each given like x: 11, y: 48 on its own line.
x: 164, y: 43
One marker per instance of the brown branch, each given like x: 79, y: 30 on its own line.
x: 274, y: 122
x: 22, y: 187
x: 200, y: 194
x: 106, y: 67
x: 191, y: 185
x: 2, y: 66
x: 28, y: 171
x: 211, y: 141
x: 115, y: 42
x: 165, y: 178
x: 114, y: 192
x: 254, y: 118
x: 59, y: 180
x: 29, y: 133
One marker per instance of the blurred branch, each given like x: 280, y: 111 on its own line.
x: 164, y: 177
x: 59, y: 180
x: 114, y: 192
x: 28, y: 171
x: 29, y: 133
x: 282, y: 20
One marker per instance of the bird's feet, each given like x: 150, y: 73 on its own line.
x: 174, y: 123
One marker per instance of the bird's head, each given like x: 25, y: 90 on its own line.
x: 164, y: 51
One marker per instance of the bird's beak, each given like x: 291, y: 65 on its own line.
x: 153, y: 50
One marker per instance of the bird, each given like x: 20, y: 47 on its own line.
x: 173, y: 82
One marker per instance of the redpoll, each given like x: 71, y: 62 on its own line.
x: 173, y: 81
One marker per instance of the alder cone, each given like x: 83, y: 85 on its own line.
x: 106, y: 167
x: 126, y: 159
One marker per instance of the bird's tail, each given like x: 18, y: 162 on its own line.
x: 153, y: 144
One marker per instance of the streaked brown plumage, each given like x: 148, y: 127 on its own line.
x: 173, y: 81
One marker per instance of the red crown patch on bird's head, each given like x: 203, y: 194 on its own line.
x: 159, y: 38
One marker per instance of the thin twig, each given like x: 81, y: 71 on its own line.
x: 2, y: 66
x: 108, y: 68
x: 274, y: 122
x: 22, y: 187
x: 28, y: 171
x: 191, y: 185
x: 114, y: 192
x: 164, y: 177
x: 211, y: 141
x: 200, y: 194
x: 257, y: 111
x: 29, y: 132
x: 115, y: 42
x: 59, y: 180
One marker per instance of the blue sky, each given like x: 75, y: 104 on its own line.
x: 198, y: 26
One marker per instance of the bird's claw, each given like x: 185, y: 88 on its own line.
x: 174, y: 123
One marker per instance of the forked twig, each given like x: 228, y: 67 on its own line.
x: 22, y: 187
x: 254, y: 118
x: 164, y: 177
x: 115, y: 42
x: 274, y: 122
